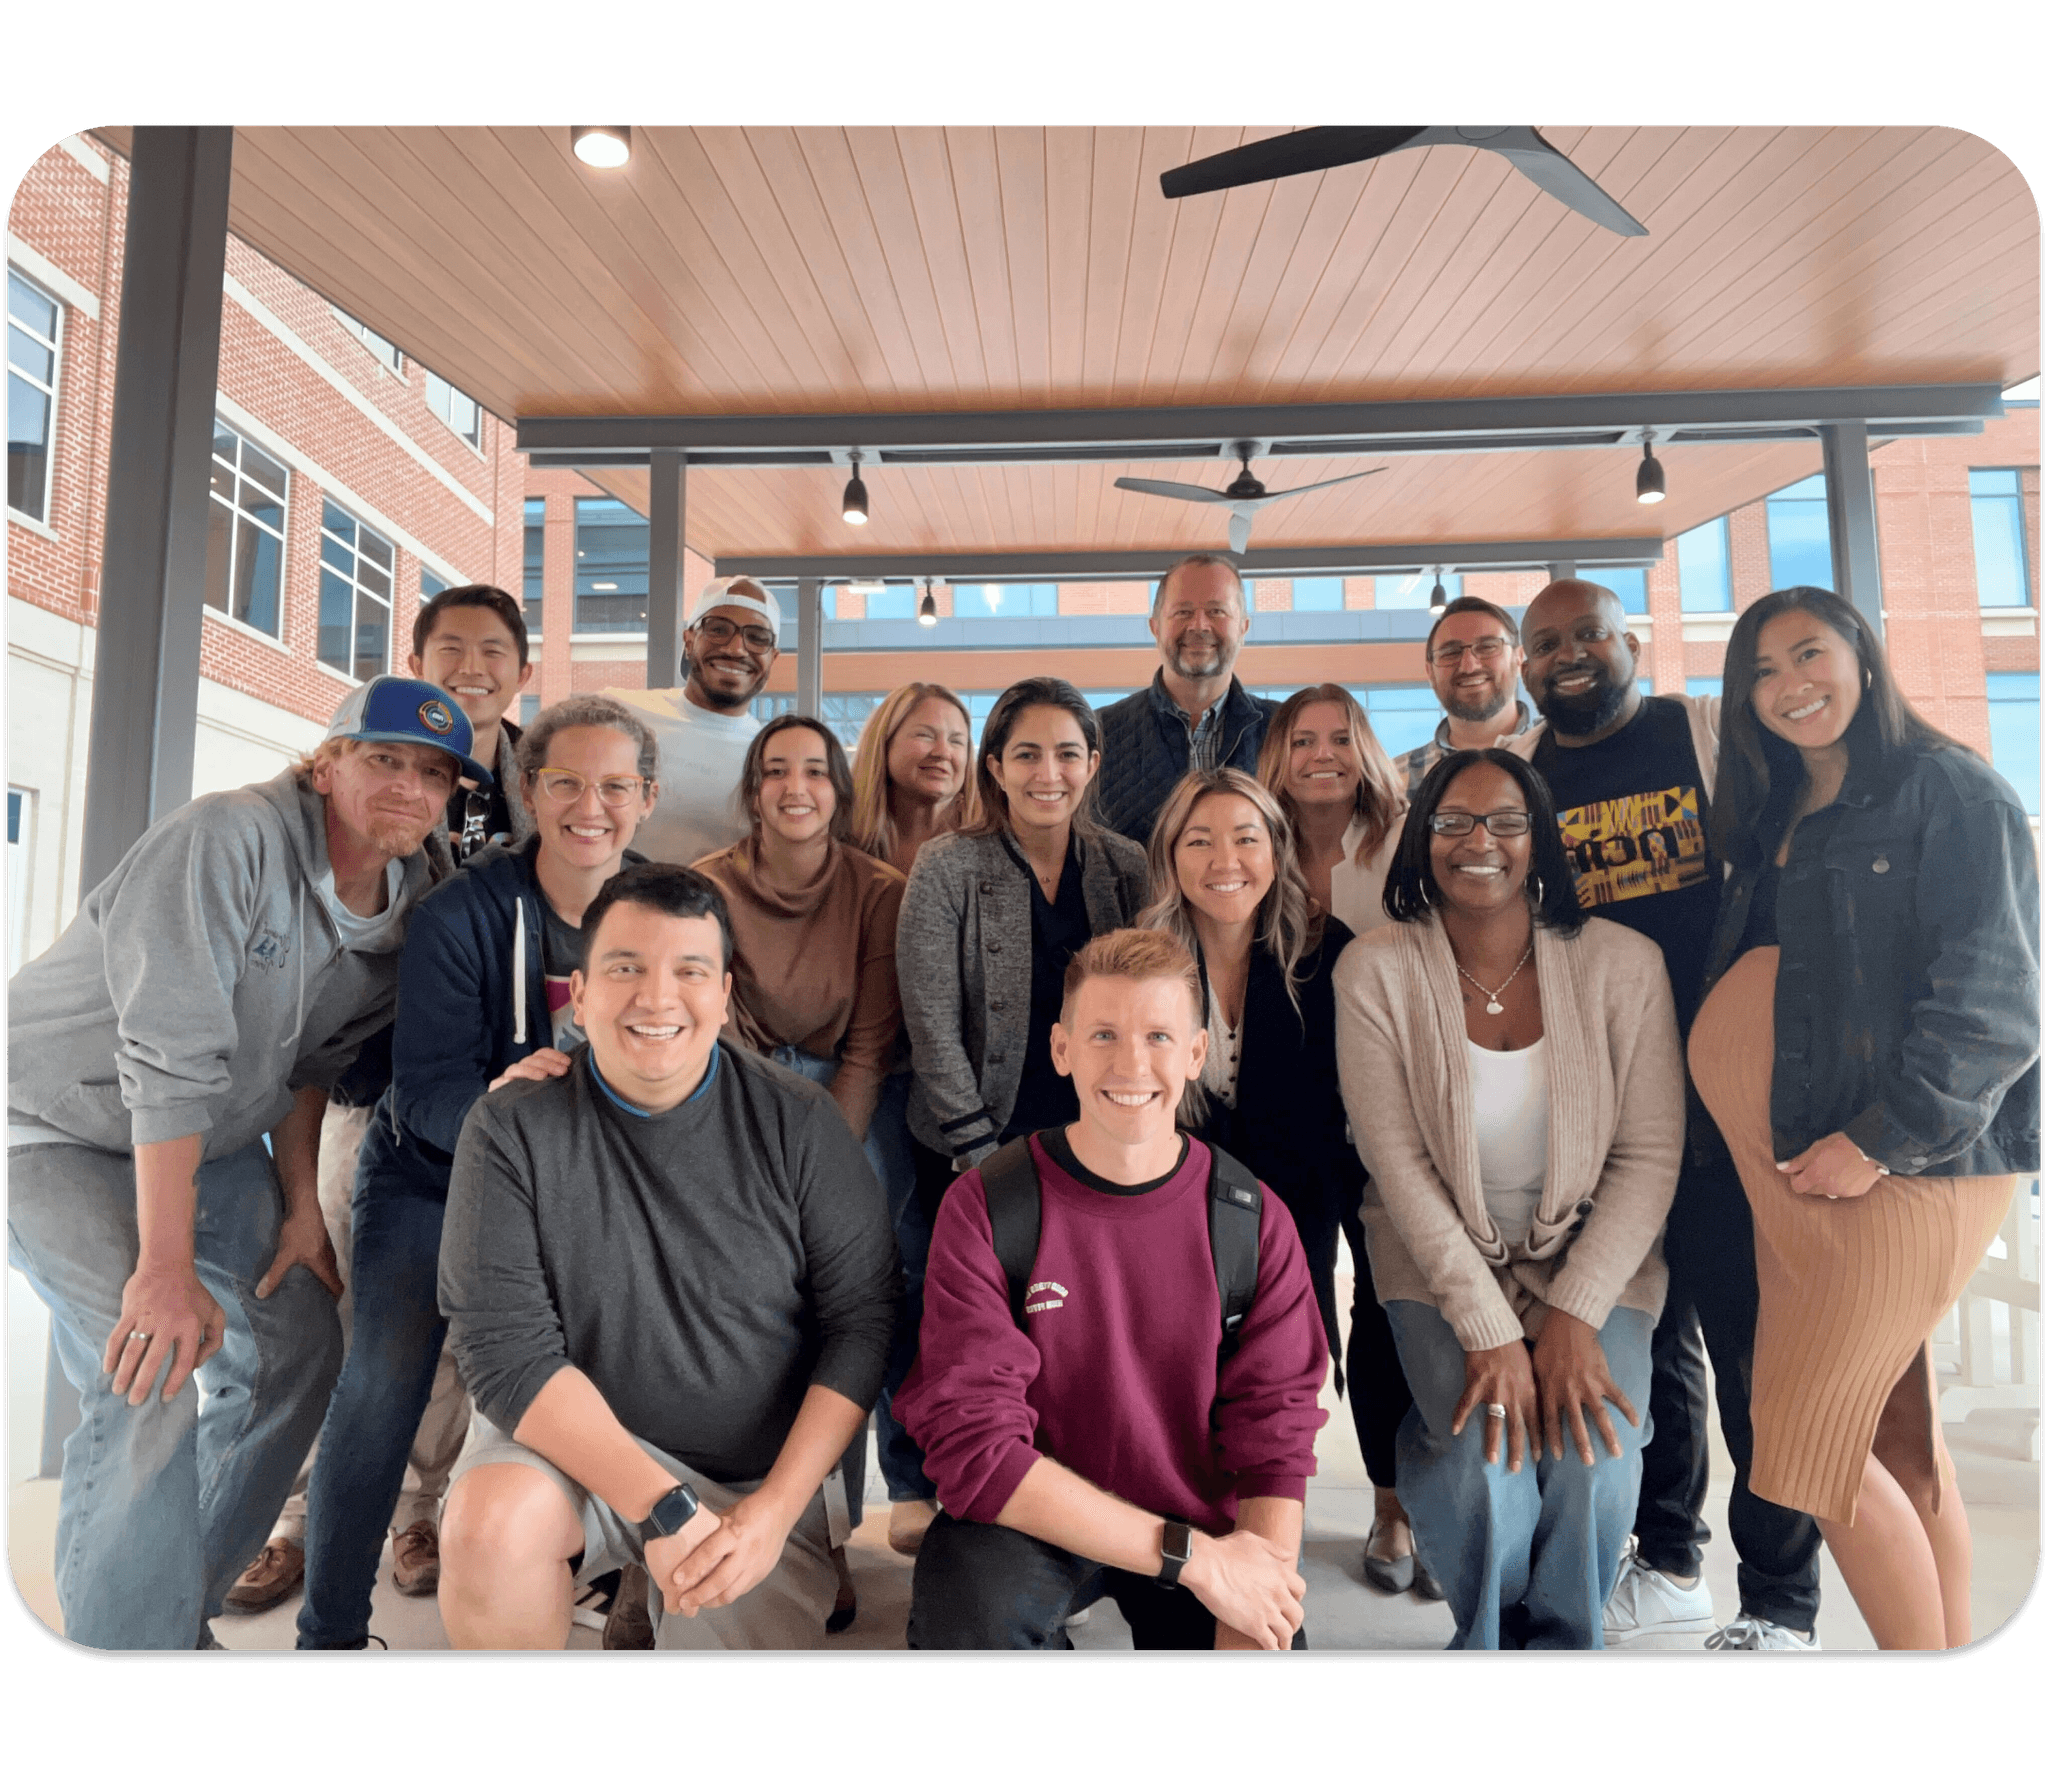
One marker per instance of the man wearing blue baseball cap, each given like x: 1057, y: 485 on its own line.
x: 205, y: 995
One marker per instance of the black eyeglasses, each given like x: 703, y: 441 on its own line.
x: 1485, y: 651
x: 1503, y: 824
x: 717, y: 630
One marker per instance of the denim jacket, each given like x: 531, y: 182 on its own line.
x: 1909, y: 984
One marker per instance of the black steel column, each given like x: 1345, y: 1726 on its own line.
x: 145, y: 698
x: 1852, y: 518
x: 667, y: 601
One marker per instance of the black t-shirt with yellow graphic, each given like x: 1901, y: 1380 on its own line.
x: 1633, y: 812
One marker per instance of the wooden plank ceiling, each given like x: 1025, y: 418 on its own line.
x: 779, y: 270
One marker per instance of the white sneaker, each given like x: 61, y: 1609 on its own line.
x: 1758, y: 1633
x: 1648, y: 1605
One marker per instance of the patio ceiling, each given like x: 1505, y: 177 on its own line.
x: 779, y: 271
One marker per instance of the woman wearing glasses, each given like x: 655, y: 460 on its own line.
x: 814, y: 962
x: 483, y: 997
x: 1511, y: 1069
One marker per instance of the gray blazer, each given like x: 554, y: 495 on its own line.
x: 963, y: 962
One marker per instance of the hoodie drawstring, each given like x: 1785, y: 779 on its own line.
x: 519, y: 973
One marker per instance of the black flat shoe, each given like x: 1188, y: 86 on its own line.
x: 846, y: 1603
x: 1384, y: 1575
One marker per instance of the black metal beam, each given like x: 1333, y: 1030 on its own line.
x: 667, y: 601
x: 1438, y: 425
x: 1147, y: 563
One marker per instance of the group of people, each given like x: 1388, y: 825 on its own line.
x: 551, y: 1146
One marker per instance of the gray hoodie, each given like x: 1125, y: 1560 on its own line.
x: 205, y: 980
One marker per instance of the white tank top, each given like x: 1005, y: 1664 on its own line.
x: 1511, y: 1112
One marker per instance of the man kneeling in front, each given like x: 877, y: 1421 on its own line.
x: 1117, y: 1379
x: 670, y: 1281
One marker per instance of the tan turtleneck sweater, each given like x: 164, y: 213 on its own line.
x: 816, y: 967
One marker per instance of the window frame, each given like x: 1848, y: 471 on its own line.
x: 474, y: 441
x: 1781, y: 501
x: 1686, y: 605
x: 1994, y: 682
x: 357, y: 591
x: 393, y: 363
x: 237, y: 515
x: 2018, y: 498
x: 578, y: 596
x: 533, y: 520
x: 55, y: 344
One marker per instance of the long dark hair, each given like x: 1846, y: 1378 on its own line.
x: 1031, y: 693
x: 1757, y: 775
x: 1553, y: 893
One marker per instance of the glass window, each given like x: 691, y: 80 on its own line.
x: 2015, y: 701
x: 1404, y: 716
x: 536, y: 518
x: 893, y: 603
x: 2000, y: 529
x: 1630, y: 584
x: 432, y: 584
x: 245, y: 533
x: 1703, y: 687
x: 32, y: 320
x: 1410, y: 590
x: 1318, y: 593
x: 1797, y: 520
x: 457, y: 409
x: 355, y: 595
x: 385, y: 351
x: 611, y: 568
x: 529, y: 707
x: 1006, y: 600
x: 1703, y: 582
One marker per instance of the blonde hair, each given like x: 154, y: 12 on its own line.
x: 1138, y: 954
x: 873, y: 826
x: 326, y: 753
x: 1287, y: 925
x: 1380, y: 799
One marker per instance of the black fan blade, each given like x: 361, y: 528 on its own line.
x: 1193, y: 494
x: 1296, y: 152
x: 1561, y: 177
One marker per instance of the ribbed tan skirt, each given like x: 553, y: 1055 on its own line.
x: 1849, y: 1291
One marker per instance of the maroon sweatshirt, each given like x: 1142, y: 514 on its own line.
x: 1116, y: 1374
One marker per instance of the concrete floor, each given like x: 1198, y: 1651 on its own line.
x: 2000, y: 1487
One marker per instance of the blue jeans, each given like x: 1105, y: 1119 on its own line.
x: 394, y: 1347
x: 1527, y: 1560
x: 888, y: 1153
x: 162, y: 1506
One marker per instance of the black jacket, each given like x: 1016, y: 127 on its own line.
x: 1145, y: 741
x: 1909, y: 985
x: 1288, y: 1127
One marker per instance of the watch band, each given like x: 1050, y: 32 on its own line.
x: 671, y: 1512
x: 1176, y: 1550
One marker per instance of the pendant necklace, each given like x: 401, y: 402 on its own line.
x: 1493, y: 996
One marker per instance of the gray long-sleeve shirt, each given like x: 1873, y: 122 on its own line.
x: 704, y: 1267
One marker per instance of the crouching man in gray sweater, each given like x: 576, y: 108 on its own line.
x: 670, y: 1282
x: 209, y: 992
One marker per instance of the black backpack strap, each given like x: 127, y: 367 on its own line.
x: 1235, y: 1202
x: 1009, y: 1178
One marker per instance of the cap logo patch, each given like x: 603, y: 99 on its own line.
x: 435, y: 717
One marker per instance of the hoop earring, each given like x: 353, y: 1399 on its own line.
x: 1536, y: 888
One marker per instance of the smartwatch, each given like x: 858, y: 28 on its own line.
x: 1176, y: 1550
x: 671, y: 1512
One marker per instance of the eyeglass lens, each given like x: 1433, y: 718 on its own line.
x: 1503, y: 824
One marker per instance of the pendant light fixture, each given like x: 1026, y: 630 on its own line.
x: 853, y: 507
x: 928, y: 608
x: 1437, y: 599
x: 601, y: 145
x: 1649, y: 476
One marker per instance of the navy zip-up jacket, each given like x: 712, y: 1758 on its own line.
x: 1908, y: 1003
x: 1145, y: 740
x: 472, y: 1000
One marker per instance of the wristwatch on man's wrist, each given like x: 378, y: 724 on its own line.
x: 671, y: 1512
x: 1176, y: 1550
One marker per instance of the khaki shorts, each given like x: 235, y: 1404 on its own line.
x: 786, y: 1610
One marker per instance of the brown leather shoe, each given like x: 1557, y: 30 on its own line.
x: 628, y: 1625
x: 269, y: 1579
x: 416, y: 1559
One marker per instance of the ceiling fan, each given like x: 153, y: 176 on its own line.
x: 1338, y: 146
x: 1245, y: 495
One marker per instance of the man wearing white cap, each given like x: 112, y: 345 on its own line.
x: 733, y: 633
x: 205, y: 995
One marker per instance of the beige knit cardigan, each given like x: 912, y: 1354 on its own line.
x: 1617, y: 1128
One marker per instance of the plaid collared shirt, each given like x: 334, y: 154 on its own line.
x: 1205, y: 737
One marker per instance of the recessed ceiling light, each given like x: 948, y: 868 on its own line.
x: 601, y: 145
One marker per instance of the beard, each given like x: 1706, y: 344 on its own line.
x: 1477, y: 708
x: 400, y: 839
x: 1587, y: 713
x: 1196, y: 660
x: 717, y: 697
